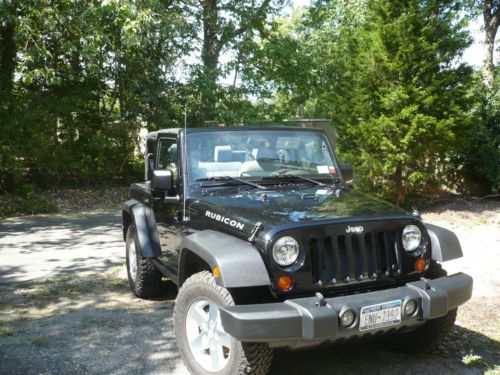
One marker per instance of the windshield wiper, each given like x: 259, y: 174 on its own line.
x: 229, y: 178
x: 285, y: 175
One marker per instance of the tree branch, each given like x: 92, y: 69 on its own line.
x: 228, y: 34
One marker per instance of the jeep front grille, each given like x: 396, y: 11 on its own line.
x: 356, y: 257
x: 336, y: 258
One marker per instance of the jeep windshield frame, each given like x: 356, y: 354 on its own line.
x: 259, y: 154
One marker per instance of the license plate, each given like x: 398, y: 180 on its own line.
x: 380, y: 315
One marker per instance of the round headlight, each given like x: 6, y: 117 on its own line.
x: 411, y: 237
x: 286, y: 251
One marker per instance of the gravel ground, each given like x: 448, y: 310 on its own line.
x: 83, y: 323
x: 46, y: 246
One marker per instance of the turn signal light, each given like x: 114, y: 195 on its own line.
x: 420, y: 264
x: 284, y: 283
x: 216, y: 272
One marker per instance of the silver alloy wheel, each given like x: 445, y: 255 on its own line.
x: 132, y: 261
x: 208, y: 342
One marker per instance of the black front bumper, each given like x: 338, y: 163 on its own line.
x: 308, y: 321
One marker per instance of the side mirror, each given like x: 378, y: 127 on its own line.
x: 162, y: 181
x: 347, y: 173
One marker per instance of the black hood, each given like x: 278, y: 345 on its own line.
x: 238, y: 212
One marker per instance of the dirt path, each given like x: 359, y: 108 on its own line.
x: 91, y: 324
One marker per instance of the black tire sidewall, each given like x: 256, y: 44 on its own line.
x: 190, y: 292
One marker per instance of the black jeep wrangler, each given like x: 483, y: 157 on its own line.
x: 270, y: 248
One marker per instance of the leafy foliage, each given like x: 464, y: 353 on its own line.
x: 480, y: 162
x: 387, y: 73
x: 32, y: 203
x: 79, y: 79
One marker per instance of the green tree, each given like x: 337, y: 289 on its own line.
x: 387, y: 74
x: 87, y: 75
x: 223, y: 25
x: 8, y: 50
x: 411, y: 109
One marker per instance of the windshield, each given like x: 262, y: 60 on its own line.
x: 258, y: 153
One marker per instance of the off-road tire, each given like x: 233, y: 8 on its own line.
x: 433, y: 332
x: 148, y: 280
x: 245, y: 358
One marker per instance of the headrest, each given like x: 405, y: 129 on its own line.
x: 223, y: 153
x: 264, y: 153
x: 172, y: 151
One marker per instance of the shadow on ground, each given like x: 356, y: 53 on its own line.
x: 371, y: 357
x: 98, y: 327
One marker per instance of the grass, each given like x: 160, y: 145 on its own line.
x: 7, y: 331
x: 471, y: 359
x: 71, y: 287
x: 480, y: 221
x: 493, y: 371
x: 475, y: 344
x: 39, y: 341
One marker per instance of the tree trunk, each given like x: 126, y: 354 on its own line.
x: 491, y: 16
x: 8, y: 52
x: 210, y: 57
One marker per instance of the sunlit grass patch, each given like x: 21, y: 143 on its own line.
x: 473, y: 360
x: 7, y: 331
x: 493, y: 371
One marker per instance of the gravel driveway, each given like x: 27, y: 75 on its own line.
x: 42, y: 247
x: 65, y: 307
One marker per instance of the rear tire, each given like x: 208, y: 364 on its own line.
x: 143, y: 277
x: 433, y: 332
x: 200, y: 292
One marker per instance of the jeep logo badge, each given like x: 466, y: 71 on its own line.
x: 357, y: 229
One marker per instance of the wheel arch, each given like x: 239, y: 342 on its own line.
x: 444, y: 243
x: 239, y: 262
x: 126, y: 221
x: 191, y: 263
x: 142, y: 216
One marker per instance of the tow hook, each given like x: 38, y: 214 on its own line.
x: 321, y: 300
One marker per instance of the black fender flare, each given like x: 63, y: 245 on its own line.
x: 145, y: 225
x: 239, y: 262
x: 444, y: 243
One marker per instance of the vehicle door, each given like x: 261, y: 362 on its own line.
x: 168, y: 214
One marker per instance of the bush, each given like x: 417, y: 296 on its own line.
x: 28, y: 204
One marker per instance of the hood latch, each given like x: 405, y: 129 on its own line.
x: 255, y: 232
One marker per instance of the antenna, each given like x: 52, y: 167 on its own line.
x: 184, y: 169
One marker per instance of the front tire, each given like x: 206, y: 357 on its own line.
x: 143, y: 277
x: 204, y: 346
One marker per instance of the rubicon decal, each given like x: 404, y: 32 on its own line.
x: 225, y: 220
